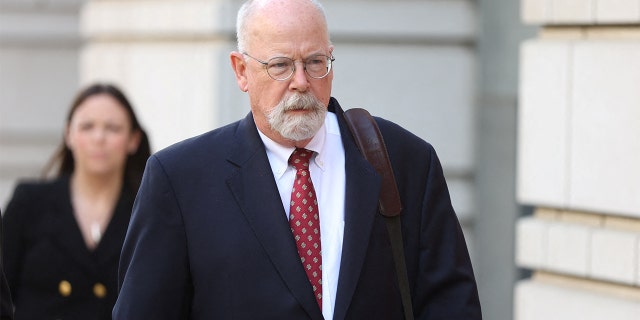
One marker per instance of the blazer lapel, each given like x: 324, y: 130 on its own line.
x: 255, y: 191
x: 69, y: 237
x: 361, y: 206
x: 65, y: 229
x: 110, y: 245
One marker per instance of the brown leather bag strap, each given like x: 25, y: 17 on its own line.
x: 369, y: 140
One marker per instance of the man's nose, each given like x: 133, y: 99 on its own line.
x: 299, y: 79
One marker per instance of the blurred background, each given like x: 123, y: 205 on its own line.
x: 533, y: 107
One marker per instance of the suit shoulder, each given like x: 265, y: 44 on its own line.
x: 31, y: 196
x: 405, y: 149
x: 215, y: 136
x: 198, y: 148
x: 30, y: 188
x: 395, y: 136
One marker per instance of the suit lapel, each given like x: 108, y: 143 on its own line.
x: 255, y: 191
x: 361, y: 206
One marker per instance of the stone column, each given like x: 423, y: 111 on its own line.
x: 578, y: 161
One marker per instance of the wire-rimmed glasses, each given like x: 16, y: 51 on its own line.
x: 282, y: 68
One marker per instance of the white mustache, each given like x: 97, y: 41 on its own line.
x: 300, y: 102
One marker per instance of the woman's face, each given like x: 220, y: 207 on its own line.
x: 100, y: 137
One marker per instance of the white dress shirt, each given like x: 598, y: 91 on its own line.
x: 329, y: 180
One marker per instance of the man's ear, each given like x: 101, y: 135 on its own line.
x: 240, y: 68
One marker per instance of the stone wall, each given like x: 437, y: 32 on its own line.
x: 578, y: 161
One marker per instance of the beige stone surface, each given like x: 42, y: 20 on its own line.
x: 542, y: 123
x: 605, y: 123
x: 622, y: 223
x: 613, y: 289
x: 572, y: 11
x: 583, y: 218
x: 613, y: 256
x: 617, y: 11
x: 538, y: 299
x: 547, y: 213
x: 562, y: 33
x: 624, y: 32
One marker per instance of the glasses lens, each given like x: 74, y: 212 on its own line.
x: 318, y: 66
x: 280, y: 68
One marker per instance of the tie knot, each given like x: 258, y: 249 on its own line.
x: 300, y: 158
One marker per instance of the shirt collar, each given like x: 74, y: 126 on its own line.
x: 279, y: 155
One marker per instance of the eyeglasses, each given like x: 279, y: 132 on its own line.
x: 282, y: 68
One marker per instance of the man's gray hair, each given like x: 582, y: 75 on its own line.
x: 245, y: 12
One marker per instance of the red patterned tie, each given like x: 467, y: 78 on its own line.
x: 305, y: 221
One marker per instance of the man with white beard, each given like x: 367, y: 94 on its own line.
x: 276, y: 216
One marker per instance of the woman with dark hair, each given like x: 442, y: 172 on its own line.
x: 63, y: 235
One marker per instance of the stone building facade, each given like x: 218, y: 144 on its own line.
x: 445, y: 69
x: 579, y: 161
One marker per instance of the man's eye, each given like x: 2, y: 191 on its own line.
x: 315, y: 61
x: 280, y: 65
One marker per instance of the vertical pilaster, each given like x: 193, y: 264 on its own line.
x: 577, y: 163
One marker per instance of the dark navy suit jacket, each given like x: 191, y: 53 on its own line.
x: 209, y: 238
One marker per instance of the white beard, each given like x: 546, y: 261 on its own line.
x: 297, y: 127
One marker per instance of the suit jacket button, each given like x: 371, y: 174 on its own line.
x: 64, y: 287
x: 99, y: 290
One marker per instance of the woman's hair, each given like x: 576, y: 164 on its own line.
x: 62, y: 162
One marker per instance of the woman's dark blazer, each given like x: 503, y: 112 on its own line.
x: 6, y: 306
x: 51, y: 272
